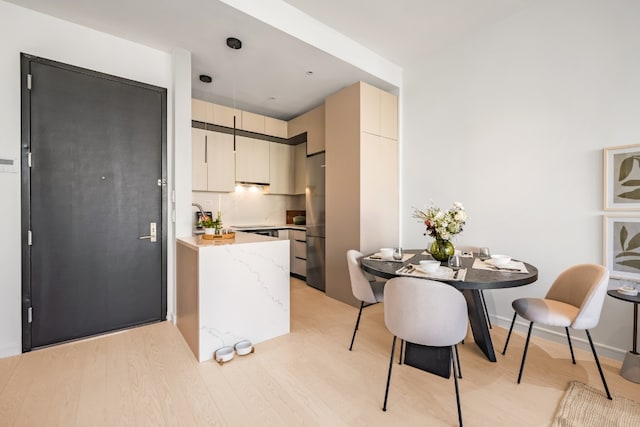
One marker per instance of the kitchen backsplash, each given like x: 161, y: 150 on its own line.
x: 248, y: 208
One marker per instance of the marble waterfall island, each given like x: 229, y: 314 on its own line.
x: 231, y: 290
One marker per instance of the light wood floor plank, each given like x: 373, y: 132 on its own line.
x: 147, y: 376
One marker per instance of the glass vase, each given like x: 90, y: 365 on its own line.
x: 441, y: 249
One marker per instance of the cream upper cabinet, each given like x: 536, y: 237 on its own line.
x: 223, y: 116
x: 252, y: 122
x: 213, y: 166
x: 198, y: 159
x: 378, y: 112
x: 275, y: 127
x: 300, y: 168
x: 311, y: 122
x: 221, y: 176
x: 252, y: 160
x: 281, y: 168
x: 201, y: 111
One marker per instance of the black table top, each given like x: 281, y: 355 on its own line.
x: 475, y: 278
x: 614, y: 293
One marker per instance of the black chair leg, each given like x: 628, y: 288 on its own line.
x: 573, y: 359
x: 458, y: 362
x: 509, y: 334
x: 595, y: 356
x: 386, y: 391
x: 401, y: 348
x: 455, y: 381
x: 524, y: 355
x: 357, y: 323
x: 484, y: 305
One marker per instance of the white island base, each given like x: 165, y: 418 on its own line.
x: 231, y: 290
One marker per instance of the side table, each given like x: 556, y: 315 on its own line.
x: 631, y: 366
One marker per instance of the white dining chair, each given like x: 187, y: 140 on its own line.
x: 574, y: 300
x: 365, y: 287
x: 428, y: 313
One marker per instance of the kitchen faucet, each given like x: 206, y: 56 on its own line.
x: 200, y: 208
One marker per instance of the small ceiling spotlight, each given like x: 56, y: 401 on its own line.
x: 205, y: 79
x: 309, y: 73
x: 234, y: 43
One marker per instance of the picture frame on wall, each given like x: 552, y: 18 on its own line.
x: 621, y: 240
x: 622, y: 177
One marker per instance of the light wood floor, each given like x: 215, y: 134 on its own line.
x: 148, y: 376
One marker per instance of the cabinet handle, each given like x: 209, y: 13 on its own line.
x: 206, y: 145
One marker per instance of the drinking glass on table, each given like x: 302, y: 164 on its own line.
x: 454, y: 262
x: 484, y: 253
x: 397, y: 254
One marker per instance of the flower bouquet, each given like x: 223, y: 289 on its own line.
x: 442, y: 226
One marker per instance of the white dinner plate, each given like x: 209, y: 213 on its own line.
x: 495, y: 264
x: 442, y: 271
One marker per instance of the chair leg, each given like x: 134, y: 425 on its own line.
x: 484, y: 305
x: 458, y: 362
x: 595, y: 356
x: 455, y: 381
x: 573, y: 359
x: 357, y: 323
x: 401, y: 348
x: 386, y: 391
x: 524, y: 355
x: 509, y: 334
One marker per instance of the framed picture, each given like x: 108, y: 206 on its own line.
x: 622, y: 177
x: 622, y: 246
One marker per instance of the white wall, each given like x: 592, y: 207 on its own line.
x: 22, y: 30
x: 512, y: 122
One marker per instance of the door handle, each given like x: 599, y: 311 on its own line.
x: 152, y: 233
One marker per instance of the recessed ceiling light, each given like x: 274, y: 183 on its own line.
x: 271, y: 98
x: 205, y: 79
x: 309, y: 73
x: 234, y: 43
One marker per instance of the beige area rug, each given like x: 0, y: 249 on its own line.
x: 586, y: 406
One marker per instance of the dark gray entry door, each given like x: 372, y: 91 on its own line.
x: 92, y: 187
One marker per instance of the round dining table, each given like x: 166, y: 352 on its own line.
x: 474, y: 281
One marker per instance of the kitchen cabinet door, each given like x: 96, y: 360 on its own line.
x: 388, y: 115
x: 223, y: 116
x: 252, y: 160
x: 252, y: 122
x: 300, y: 168
x: 281, y: 168
x: 198, y: 159
x: 275, y: 127
x: 201, y: 111
x: 221, y: 171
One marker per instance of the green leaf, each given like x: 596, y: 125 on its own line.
x: 623, y: 236
x: 635, y: 194
x: 625, y: 168
x: 633, y: 263
x: 634, y: 242
x: 624, y: 254
x: 631, y: 183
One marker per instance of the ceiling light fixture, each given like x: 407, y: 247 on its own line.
x: 234, y: 43
x: 205, y: 78
x: 309, y: 73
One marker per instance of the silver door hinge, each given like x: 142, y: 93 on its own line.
x: 29, y: 81
x: 29, y: 314
x: 161, y: 182
x: 29, y: 158
x: 29, y: 238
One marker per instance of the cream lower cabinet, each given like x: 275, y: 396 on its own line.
x: 298, y: 240
x: 252, y: 160
x: 281, y: 168
x: 213, y: 165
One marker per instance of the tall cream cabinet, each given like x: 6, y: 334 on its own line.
x: 313, y: 123
x: 362, y: 194
x: 213, y: 163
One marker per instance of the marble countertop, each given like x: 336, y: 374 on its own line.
x: 262, y: 227
x: 197, y: 242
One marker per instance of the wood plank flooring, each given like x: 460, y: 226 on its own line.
x: 147, y: 376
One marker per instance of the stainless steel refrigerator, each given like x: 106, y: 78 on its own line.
x: 315, y: 220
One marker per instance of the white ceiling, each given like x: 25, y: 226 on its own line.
x: 272, y: 64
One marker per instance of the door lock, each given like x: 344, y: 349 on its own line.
x: 152, y: 233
